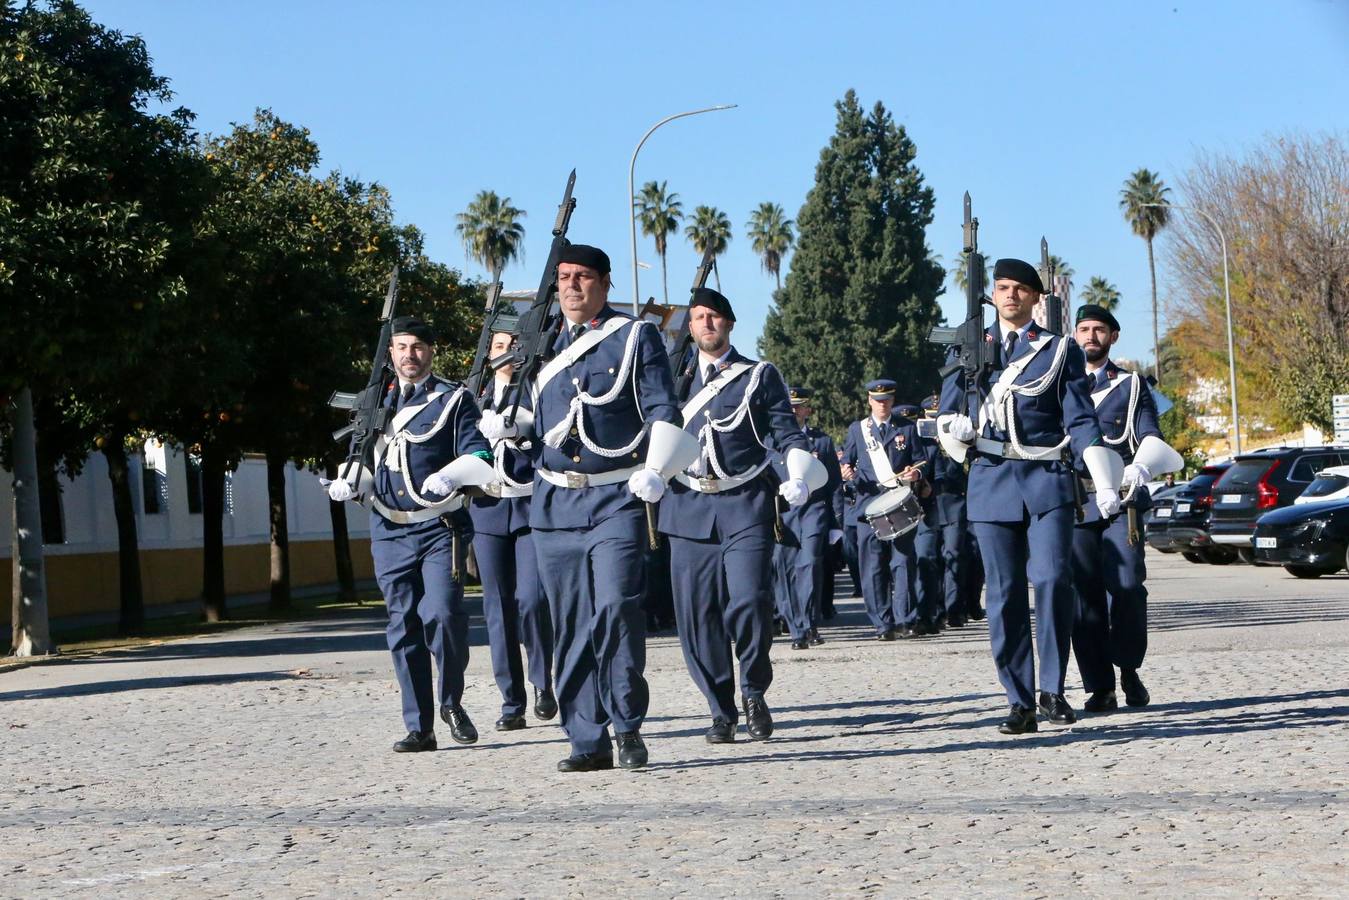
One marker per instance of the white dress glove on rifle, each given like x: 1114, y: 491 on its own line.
x: 493, y: 426
x: 794, y: 491
x: 340, y: 491
x: 646, y: 485
x: 962, y: 429
x: 1135, y: 475
x: 1107, y: 501
x: 439, y: 483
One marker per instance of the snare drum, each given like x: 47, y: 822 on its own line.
x: 894, y: 513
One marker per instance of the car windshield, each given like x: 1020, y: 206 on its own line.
x: 1243, y: 474
x: 1326, y: 484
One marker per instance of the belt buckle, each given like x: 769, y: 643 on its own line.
x: 576, y: 479
x: 708, y: 484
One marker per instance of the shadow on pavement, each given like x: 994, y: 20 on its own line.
x: 141, y: 684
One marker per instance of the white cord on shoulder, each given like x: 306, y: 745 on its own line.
x: 730, y: 422
x: 402, y: 439
x: 1128, y: 434
x: 1035, y: 389
x: 557, y: 435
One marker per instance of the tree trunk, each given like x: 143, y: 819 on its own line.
x: 30, y: 635
x: 280, y: 535
x: 716, y: 273
x: 664, y: 281
x: 346, y: 576
x: 131, y: 613
x: 1156, y: 342
x: 213, y: 532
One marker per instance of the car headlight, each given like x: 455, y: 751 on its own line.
x: 1308, y: 527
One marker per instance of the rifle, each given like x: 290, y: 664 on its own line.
x: 491, y: 323
x: 538, y: 326
x: 367, y: 414
x: 684, y: 361
x: 973, y: 352
x: 1054, y: 321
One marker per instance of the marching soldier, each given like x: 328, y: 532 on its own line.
x: 880, y: 452
x: 941, y: 534
x: 512, y: 597
x: 845, y: 513
x: 1033, y: 407
x: 720, y: 514
x: 1112, y: 619
x: 430, y: 450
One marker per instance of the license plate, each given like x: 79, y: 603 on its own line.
x: 1182, y: 507
x: 1230, y: 498
x: 1164, y: 512
x: 1267, y: 543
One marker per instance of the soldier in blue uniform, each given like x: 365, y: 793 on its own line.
x: 941, y: 535
x: 1033, y: 407
x: 719, y: 515
x: 598, y: 406
x: 845, y: 513
x: 799, y: 560
x: 880, y: 453
x: 1112, y: 611
x: 513, y: 604
x: 430, y: 450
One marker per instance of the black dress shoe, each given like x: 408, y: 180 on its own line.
x: 955, y: 621
x: 1100, y: 702
x: 758, y: 722
x: 802, y: 644
x: 721, y: 732
x: 905, y: 633
x: 814, y: 636
x: 545, y: 704
x: 1055, y: 708
x: 461, y: 727
x: 631, y: 749
x: 886, y: 635
x: 416, y: 742
x: 1135, y: 694
x: 586, y: 762
x: 828, y: 613
x: 977, y: 615
x: 924, y: 629
x: 1020, y: 720
x: 510, y: 723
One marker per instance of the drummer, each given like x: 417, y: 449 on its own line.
x: 881, y: 455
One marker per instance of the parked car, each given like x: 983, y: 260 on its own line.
x: 1262, y: 481
x: 1156, y: 520
x: 1330, y: 484
x: 1187, y: 531
x: 1308, y: 539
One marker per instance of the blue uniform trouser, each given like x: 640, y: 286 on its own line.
x: 798, y: 582
x: 594, y: 579
x: 784, y: 556
x: 938, y: 548
x: 426, y: 618
x: 721, y: 597
x: 1038, y: 548
x: 971, y: 571
x: 850, y: 532
x: 889, y: 570
x: 1112, y: 602
x: 513, y: 605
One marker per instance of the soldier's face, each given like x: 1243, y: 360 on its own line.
x: 711, y: 332
x: 1095, y: 339
x: 501, y: 343
x: 581, y: 291
x: 1014, y: 301
x: 411, y: 356
x: 803, y: 412
x: 880, y: 407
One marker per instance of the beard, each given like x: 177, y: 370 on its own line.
x: 712, y: 344
x: 1096, y: 354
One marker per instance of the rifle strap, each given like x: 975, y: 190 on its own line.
x: 579, y: 348
x: 714, y: 387
x: 880, y: 460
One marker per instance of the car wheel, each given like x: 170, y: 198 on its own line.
x: 1217, y: 555
x: 1247, y: 555
x: 1192, y: 556
x: 1304, y: 571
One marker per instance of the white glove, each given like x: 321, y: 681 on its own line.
x: 795, y: 492
x: 439, y: 483
x: 1107, y: 501
x: 835, y: 535
x: 646, y: 485
x: 493, y: 426
x: 339, y: 491
x: 1135, y: 475
x: 962, y: 429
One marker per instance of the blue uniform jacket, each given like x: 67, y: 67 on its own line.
x: 648, y: 396
x: 689, y: 514
x: 1112, y: 412
x: 458, y: 436
x: 899, y: 437
x: 504, y: 516
x: 1000, y: 489
x: 817, y: 514
x: 946, y: 506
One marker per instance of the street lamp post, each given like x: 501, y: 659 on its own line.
x: 1227, y: 298
x: 632, y: 212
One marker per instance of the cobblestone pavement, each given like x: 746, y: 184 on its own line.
x: 257, y: 763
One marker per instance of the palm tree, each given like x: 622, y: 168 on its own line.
x: 1142, y: 189
x: 961, y: 267
x: 710, y: 228
x: 770, y: 233
x: 1102, y: 293
x: 491, y: 231
x: 659, y: 212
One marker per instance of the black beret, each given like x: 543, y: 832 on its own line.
x: 415, y: 327
x: 586, y: 255
x: 713, y: 301
x: 1090, y: 312
x: 799, y: 395
x: 1019, y: 271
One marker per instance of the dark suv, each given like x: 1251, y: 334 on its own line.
x: 1188, y: 529
x: 1259, y: 482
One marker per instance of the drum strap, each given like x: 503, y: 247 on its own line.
x: 880, y: 460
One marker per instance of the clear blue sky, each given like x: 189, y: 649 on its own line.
x: 1040, y: 112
